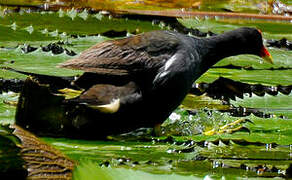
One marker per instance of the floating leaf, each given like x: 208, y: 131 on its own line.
x: 280, y: 105
x: 91, y: 172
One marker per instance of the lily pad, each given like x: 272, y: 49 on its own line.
x: 279, y: 105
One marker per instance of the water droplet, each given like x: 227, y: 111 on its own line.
x: 162, y: 24
x: 261, y: 61
x: 63, y: 35
x: 128, y: 34
x: 174, y: 117
x: 268, y: 146
x: 206, y: 143
x: 216, y: 164
x: 207, y: 177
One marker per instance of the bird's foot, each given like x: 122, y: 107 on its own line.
x: 69, y: 93
x: 230, y: 128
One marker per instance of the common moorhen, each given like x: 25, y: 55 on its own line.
x: 128, y: 83
x: 138, y: 81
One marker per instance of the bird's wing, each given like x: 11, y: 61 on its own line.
x: 127, y: 56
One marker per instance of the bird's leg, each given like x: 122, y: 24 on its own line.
x: 230, y: 128
x: 157, y: 130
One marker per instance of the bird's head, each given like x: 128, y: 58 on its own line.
x: 252, y: 41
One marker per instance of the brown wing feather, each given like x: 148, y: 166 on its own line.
x: 124, y: 56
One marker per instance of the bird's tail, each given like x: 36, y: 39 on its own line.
x: 56, y: 82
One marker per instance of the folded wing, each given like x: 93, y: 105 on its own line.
x: 136, y: 54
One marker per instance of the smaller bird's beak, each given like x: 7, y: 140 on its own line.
x: 266, y: 55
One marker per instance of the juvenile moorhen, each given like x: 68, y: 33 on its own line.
x: 138, y: 81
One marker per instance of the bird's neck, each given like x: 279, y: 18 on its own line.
x: 215, y: 48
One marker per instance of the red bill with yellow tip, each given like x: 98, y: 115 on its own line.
x: 266, y: 55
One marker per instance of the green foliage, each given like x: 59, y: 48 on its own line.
x: 90, y: 171
x: 265, y: 77
x: 7, y: 111
x: 31, y: 27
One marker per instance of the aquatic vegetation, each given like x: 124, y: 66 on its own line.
x: 36, y: 42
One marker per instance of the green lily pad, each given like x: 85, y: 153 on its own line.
x: 30, y: 27
x: 265, y: 77
x: 279, y: 105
